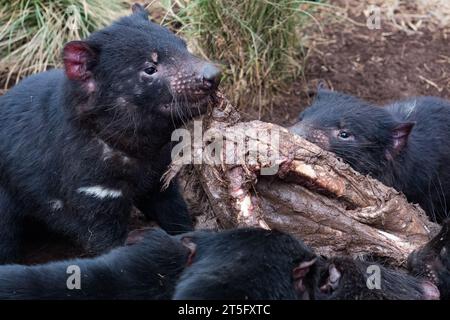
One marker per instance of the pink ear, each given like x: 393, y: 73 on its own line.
x: 192, y: 247
x: 299, y: 273
x: 78, y: 58
x: 400, y: 136
x: 302, y: 269
x: 136, y: 236
x: 333, y: 279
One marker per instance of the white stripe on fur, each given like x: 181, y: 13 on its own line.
x: 100, y: 192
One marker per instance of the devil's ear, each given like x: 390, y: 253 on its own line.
x: 322, y: 85
x: 79, y: 59
x: 192, y: 247
x: 322, y: 89
x: 299, y: 274
x: 137, y: 235
x: 400, y: 135
x: 139, y: 10
x: 334, y: 277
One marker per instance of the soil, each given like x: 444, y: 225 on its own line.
x: 379, y: 65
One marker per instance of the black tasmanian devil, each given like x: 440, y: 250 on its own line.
x: 344, y: 278
x: 432, y: 261
x: 234, y: 264
x: 80, y: 146
x: 403, y: 144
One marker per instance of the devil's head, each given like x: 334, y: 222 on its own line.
x: 136, y: 76
x: 366, y: 136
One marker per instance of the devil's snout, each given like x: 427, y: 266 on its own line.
x: 197, y: 82
x: 210, y: 76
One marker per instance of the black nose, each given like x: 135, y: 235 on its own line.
x: 211, y: 76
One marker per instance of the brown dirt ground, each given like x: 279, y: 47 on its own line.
x: 377, y: 65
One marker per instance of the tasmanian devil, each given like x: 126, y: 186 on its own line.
x: 236, y: 264
x: 81, y: 145
x: 432, y: 261
x: 248, y: 264
x: 403, y: 144
x: 343, y: 278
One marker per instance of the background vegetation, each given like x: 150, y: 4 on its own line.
x: 258, y: 42
x: 33, y: 32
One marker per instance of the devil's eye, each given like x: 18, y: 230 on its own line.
x: 344, y: 135
x: 150, y: 70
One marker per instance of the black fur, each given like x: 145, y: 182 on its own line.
x: 146, y: 270
x: 352, y: 283
x: 247, y: 264
x: 235, y: 264
x: 404, y: 144
x: 432, y: 261
x: 105, y: 120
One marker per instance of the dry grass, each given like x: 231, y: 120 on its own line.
x: 32, y: 33
x: 407, y: 15
x: 258, y: 42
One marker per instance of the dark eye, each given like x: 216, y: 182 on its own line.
x: 344, y: 135
x: 150, y: 70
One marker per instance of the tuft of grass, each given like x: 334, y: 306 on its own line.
x: 33, y: 32
x: 258, y: 42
